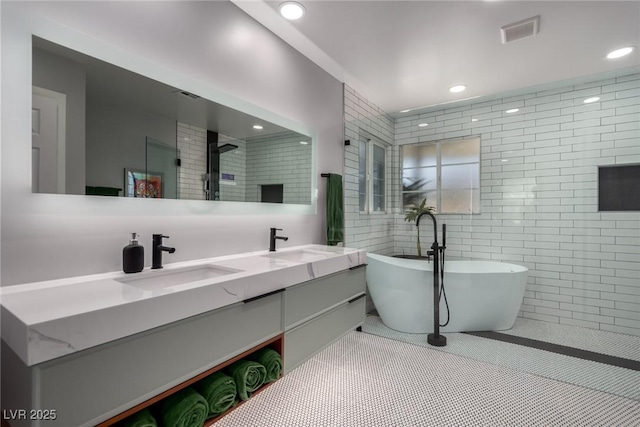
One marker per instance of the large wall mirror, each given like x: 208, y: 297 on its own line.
x: 102, y: 130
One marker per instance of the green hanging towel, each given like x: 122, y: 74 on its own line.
x: 335, y: 220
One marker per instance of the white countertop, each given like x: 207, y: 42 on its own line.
x: 45, y: 320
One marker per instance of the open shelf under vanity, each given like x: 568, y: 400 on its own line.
x: 276, y: 343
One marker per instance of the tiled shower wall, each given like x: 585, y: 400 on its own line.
x: 539, y: 198
x: 234, y: 163
x: 279, y: 159
x: 192, y: 144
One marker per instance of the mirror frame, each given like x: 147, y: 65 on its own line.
x: 16, y: 180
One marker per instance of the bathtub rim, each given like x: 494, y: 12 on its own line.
x: 415, y: 264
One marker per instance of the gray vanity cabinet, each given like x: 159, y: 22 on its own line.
x: 319, y: 311
x: 93, y: 385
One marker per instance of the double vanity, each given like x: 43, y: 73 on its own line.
x: 93, y: 347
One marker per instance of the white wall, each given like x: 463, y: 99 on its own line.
x: 539, y: 198
x: 209, y: 48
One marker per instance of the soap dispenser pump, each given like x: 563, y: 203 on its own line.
x: 133, y: 256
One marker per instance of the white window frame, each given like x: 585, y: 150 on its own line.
x: 475, y: 210
x: 368, y: 200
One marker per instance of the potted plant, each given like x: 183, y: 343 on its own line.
x: 412, y: 216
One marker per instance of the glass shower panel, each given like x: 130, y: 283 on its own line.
x: 161, y: 170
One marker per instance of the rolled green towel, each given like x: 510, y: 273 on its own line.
x: 248, y: 375
x: 186, y: 408
x: 272, y: 362
x: 219, y: 390
x: 140, y: 419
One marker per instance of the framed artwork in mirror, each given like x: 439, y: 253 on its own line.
x: 139, y: 183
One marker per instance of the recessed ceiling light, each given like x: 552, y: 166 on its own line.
x: 304, y: 142
x: 457, y: 88
x: 405, y: 111
x: 590, y: 100
x: 619, y: 53
x: 257, y: 127
x: 421, y: 125
x: 512, y: 110
x: 291, y: 10
x: 474, y: 120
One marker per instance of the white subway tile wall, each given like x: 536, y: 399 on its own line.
x: 192, y: 144
x: 273, y: 159
x: 279, y: 159
x: 539, y: 204
x: 539, y: 198
x: 373, y: 232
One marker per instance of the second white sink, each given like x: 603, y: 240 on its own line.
x: 168, y: 278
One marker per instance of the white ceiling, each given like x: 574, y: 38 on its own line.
x: 406, y: 54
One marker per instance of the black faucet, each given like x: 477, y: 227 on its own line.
x: 156, y: 253
x: 273, y: 237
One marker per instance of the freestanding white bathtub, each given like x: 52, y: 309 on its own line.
x: 482, y: 295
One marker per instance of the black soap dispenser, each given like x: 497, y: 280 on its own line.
x: 133, y: 256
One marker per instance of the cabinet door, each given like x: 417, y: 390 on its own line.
x: 303, y: 302
x: 93, y: 385
x: 307, y: 339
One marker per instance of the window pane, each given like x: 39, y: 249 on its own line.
x: 464, y: 151
x: 378, y: 179
x: 460, y: 201
x: 419, y: 179
x: 410, y: 200
x: 460, y: 176
x: 419, y: 155
x: 362, y: 174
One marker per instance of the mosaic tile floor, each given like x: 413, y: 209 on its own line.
x: 370, y: 381
x: 604, y: 342
x: 585, y: 373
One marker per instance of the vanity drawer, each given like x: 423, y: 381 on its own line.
x: 93, y: 385
x: 304, y: 301
x: 309, y: 338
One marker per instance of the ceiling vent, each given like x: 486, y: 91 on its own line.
x: 520, y: 30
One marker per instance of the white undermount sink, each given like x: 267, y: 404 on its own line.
x: 302, y: 255
x: 167, y: 278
